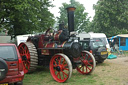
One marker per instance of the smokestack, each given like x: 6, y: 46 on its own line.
x: 70, y: 11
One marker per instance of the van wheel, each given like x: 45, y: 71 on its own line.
x: 19, y: 83
x: 100, y: 61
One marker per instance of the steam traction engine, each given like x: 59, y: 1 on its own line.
x: 60, y: 50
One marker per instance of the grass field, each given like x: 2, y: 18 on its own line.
x: 43, y: 77
x: 111, y: 72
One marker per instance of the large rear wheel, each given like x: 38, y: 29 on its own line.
x: 28, y: 53
x: 60, y: 67
x: 88, y: 63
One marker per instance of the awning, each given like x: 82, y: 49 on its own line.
x: 123, y: 35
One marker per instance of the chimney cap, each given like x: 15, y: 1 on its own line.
x: 70, y: 8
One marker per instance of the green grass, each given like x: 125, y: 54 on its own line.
x: 43, y: 77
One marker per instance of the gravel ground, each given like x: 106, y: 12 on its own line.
x: 112, y: 72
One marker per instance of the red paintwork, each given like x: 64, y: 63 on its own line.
x: 25, y: 52
x: 41, y: 41
x: 42, y: 44
x: 15, y: 73
x: 56, y: 36
x: 50, y: 45
x: 56, y: 62
x: 87, y: 64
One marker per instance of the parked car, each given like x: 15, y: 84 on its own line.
x: 92, y: 35
x: 96, y: 47
x: 11, y: 65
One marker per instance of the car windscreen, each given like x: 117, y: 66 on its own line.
x: 85, y: 45
x: 97, y: 43
x: 8, y: 52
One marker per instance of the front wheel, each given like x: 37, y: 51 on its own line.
x: 60, y: 67
x: 88, y: 63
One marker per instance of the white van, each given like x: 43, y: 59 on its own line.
x: 91, y: 35
x: 95, y: 43
x: 22, y: 38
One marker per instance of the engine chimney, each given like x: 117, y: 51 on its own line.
x: 70, y: 11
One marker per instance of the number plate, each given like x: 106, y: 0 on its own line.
x: 103, y: 53
x: 4, y: 84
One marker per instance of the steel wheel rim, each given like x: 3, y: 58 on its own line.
x: 60, y: 68
x: 87, y: 63
x: 24, y: 52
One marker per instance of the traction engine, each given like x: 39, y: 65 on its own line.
x: 60, y: 50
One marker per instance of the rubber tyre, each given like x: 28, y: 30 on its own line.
x: 93, y: 64
x: 69, y: 67
x: 19, y: 83
x: 3, y: 69
x: 100, y: 61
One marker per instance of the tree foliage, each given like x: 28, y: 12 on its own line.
x: 25, y: 16
x: 80, y: 18
x: 111, y: 17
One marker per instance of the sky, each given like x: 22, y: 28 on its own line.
x: 88, y: 4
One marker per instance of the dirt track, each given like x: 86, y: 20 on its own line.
x: 112, y: 72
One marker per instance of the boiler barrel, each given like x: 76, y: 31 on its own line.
x: 74, y: 48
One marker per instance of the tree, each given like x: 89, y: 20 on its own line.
x: 81, y: 19
x: 111, y: 17
x: 25, y: 16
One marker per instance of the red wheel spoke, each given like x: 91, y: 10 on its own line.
x: 88, y: 68
x: 60, y: 60
x: 27, y: 56
x: 22, y: 48
x: 59, y: 75
x: 65, y: 65
x: 63, y: 61
x: 81, y: 59
x: 90, y: 64
x: 83, y: 56
x: 55, y: 63
x: 28, y: 62
x: 91, y: 61
x: 65, y: 73
x: 26, y: 51
x: 66, y: 69
x: 88, y: 57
